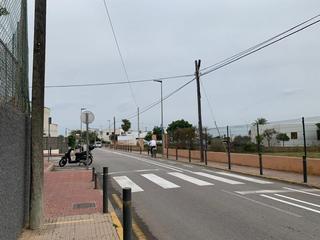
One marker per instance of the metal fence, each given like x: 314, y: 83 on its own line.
x: 14, y: 54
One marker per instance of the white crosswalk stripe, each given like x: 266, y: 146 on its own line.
x: 124, y: 182
x: 193, y: 180
x: 221, y: 179
x: 160, y: 181
x: 249, y: 179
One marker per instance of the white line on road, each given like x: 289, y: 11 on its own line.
x: 193, y: 180
x: 134, y: 171
x: 160, y: 181
x: 249, y: 179
x: 290, y: 203
x: 262, y: 204
x: 298, y: 200
x: 124, y: 182
x: 301, y: 191
x: 272, y: 191
x: 152, y: 162
x: 221, y: 179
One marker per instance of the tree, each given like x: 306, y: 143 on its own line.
x: 148, y: 137
x: 268, y: 134
x: 72, y: 141
x: 282, y: 137
x: 260, y: 121
x: 157, y: 131
x: 178, y: 124
x: 181, y: 132
x: 126, y: 125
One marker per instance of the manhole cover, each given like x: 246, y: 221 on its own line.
x: 83, y: 205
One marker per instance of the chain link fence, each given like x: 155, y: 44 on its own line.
x: 14, y: 55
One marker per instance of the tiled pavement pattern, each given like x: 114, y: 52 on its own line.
x: 62, y: 190
x: 93, y: 226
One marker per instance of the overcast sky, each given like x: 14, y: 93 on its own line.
x: 163, y: 38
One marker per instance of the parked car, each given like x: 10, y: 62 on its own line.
x: 98, y: 144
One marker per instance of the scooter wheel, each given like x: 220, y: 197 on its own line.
x: 89, y: 161
x: 63, y: 162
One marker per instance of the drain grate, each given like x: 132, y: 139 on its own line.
x: 83, y: 205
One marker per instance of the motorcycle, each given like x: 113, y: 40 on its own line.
x: 80, y: 157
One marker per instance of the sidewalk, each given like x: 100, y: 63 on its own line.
x: 291, y: 177
x: 72, y: 207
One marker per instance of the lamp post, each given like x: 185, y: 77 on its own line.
x: 49, y: 135
x: 162, y: 132
x: 81, y: 125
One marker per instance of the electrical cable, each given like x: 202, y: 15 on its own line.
x: 120, y: 54
x: 262, y: 43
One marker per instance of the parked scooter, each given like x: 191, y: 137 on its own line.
x: 80, y: 157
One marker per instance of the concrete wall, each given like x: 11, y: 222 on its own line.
x: 14, y: 172
x: 281, y: 163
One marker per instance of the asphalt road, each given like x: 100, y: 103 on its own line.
x: 173, y: 200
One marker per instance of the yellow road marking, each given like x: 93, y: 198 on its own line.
x: 69, y: 222
x: 135, y: 227
x: 117, y: 224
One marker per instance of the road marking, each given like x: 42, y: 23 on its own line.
x: 221, y: 179
x: 152, y: 162
x: 301, y: 191
x: 124, y: 182
x: 271, y: 191
x: 290, y: 203
x: 135, y: 227
x: 249, y: 179
x: 160, y: 181
x: 263, y: 204
x: 193, y: 180
x: 133, y: 171
x: 298, y: 200
x: 117, y: 224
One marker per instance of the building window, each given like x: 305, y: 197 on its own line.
x: 294, y: 135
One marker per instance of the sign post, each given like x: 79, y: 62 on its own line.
x: 87, y: 117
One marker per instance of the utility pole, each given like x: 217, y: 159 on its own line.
x: 138, y: 124
x: 114, y: 131
x: 197, y: 73
x: 38, y: 79
x: 49, y: 135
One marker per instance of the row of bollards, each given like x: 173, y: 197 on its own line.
x: 126, y: 202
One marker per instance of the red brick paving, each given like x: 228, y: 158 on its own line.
x: 64, y: 188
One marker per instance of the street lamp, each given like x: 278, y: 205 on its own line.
x: 81, y: 124
x: 162, y: 132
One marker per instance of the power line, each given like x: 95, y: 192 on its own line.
x: 119, y: 51
x: 262, y: 43
x: 237, y: 57
x: 217, y: 66
x: 117, y: 83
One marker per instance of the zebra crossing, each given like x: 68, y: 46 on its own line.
x: 165, y: 183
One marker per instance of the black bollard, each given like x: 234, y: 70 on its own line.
x: 176, y: 153
x: 95, y: 181
x: 105, y: 189
x: 127, y: 217
x: 93, y: 172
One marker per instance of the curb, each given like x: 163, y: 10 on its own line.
x: 50, y: 168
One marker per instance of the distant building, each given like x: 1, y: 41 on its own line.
x: 53, y: 126
x: 293, y: 129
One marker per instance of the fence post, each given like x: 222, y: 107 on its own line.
x: 168, y: 150
x: 259, y: 150
x: 95, y: 181
x: 228, y: 146
x: 177, y: 153
x: 304, y: 158
x: 206, y: 149
x: 127, y: 217
x: 93, y: 172
x: 105, y: 189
